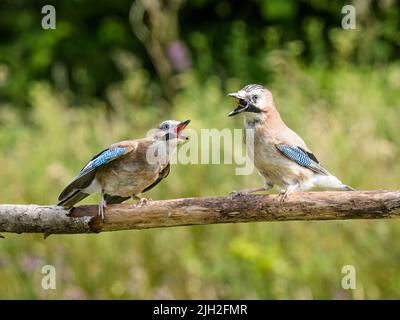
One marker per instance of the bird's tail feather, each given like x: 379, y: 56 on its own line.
x: 348, y: 188
x: 72, y: 199
x: 79, y: 182
x: 330, y: 182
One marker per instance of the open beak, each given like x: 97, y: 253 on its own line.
x: 180, y: 128
x: 234, y: 95
x: 243, y: 105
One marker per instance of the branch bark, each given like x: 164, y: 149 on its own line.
x: 377, y: 204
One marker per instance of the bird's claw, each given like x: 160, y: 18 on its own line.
x: 143, y: 201
x: 238, y: 193
x: 282, y: 197
x: 101, y: 214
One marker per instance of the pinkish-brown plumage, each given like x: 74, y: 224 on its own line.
x: 132, y: 173
x: 126, y: 168
x: 279, y: 154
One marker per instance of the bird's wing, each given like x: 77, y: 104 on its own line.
x: 302, y: 157
x: 162, y: 175
x: 104, y: 157
x: 88, y: 172
x: 72, y: 198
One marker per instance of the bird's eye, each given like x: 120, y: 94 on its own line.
x: 255, y: 98
x: 165, y: 126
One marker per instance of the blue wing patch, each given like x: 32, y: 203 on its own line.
x: 104, y: 157
x: 301, y: 158
x: 87, y: 174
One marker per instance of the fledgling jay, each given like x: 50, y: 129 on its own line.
x: 279, y: 154
x: 126, y: 168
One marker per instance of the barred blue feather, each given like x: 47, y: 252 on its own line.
x: 302, y: 158
x: 73, y: 192
x: 103, y: 158
x: 295, y: 154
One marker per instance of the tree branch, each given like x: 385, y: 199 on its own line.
x: 377, y: 204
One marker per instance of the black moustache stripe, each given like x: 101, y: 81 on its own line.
x: 252, y: 108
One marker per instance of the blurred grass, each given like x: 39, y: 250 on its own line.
x: 349, y: 117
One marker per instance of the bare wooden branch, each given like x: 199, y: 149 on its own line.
x: 377, y: 204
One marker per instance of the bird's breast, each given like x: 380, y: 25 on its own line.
x: 271, y: 163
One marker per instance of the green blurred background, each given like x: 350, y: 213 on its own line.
x: 114, y: 69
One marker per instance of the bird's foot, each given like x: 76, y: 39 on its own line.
x: 282, y: 197
x: 235, y: 193
x: 143, y: 201
x: 246, y: 192
x: 101, y: 212
x: 102, y: 208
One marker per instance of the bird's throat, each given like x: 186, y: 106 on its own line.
x: 161, y: 151
x: 253, y: 120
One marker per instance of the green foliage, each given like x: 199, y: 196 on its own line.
x: 91, y: 83
x: 350, y: 120
x: 223, y: 38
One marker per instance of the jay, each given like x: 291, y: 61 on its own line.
x: 279, y: 154
x: 126, y: 168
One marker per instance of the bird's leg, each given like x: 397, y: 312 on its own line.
x: 285, y: 193
x: 251, y: 190
x: 102, y: 205
x: 142, y: 201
